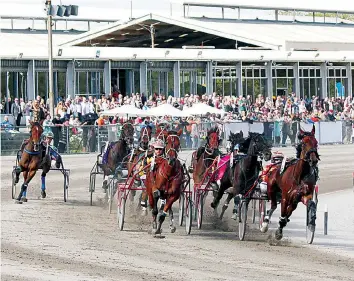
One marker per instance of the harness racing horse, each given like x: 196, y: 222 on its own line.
x: 203, y: 158
x: 164, y: 181
x: 32, y: 159
x: 296, y: 183
x: 246, y: 169
x: 116, y: 152
x: 136, y: 160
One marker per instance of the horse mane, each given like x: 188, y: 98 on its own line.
x: 213, y: 130
x: 172, y: 132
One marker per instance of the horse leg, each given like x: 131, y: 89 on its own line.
x: 226, y: 204
x: 168, y: 208
x: 283, y: 220
x: 43, y: 187
x: 219, y: 195
x: 104, y: 184
x: 155, y: 198
x: 28, y: 177
x: 268, y: 216
x: 143, y: 202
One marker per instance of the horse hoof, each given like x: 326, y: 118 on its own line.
x: 213, y: 205
x: 234, y: 216
x: 144, y: 212
x: 44, y: 195
x: 173, y: 229
x: 278, y: 235
x: 18, y: 202
x: 156, y: 231
x: 264, y: 227
x: 24, y: 199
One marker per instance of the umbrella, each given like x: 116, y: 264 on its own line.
x: 125, y: 110
x: 202, y: 109
x: 166, y: 109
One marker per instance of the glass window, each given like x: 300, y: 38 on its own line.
x: 61, y: 84
x: 312, y: 72
x: 318, y: 72
x: 256, y: 72
x: 306, y: 72
x: 273, y: 73
x: 338, y: 73
x: 281, y: 72
x: 290, y: 72
x: 344, y: 72
x: 263, y: 73
x: 249, y: 72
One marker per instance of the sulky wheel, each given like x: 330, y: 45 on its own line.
x: 189, y: 214
x: 262, y: 212
x: 13, y: 195
x: 242, y: 219
x: 121, y: 212
x: 66, y: 186
x: 181, y: 209
x: 254, y: 206
x: 200, y: 204
x: 92, y: 187
x: 311, y: 210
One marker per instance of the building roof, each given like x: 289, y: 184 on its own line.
x: 176, y: 32
x: 309, y: 6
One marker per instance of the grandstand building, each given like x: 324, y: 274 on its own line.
x: 230, y: 55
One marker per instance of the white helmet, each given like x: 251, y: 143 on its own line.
x: 158, y: 144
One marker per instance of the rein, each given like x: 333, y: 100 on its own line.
x: 31, y: 152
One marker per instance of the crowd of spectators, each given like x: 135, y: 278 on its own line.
x: 281, y: 112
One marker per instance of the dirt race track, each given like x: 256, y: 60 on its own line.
x: 47, y: 239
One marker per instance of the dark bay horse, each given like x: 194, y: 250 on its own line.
x: 33, y: 158
x: 117, y: 151
x: 295, y: 184
x: 204, y: 157
x: 245, y: 170
x: 164, y: 181
x: 137, y: 160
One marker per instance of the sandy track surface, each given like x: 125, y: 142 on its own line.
x: 47, y: 239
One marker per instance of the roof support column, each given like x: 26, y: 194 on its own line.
x: 107, y: 78
x: 15, y: 84
x: 323, y: 80
x: 31, y: 82
x: 239, y: 78
x: 209, y: 77
x: 350, y: 79
x: 128, y: 82
x: 269, y: 79
x: 176, y: 80
x: 297, y: 79
x: 143, y: 79
x: 70, y: 80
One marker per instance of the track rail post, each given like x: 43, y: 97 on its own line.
x: 325, y: 217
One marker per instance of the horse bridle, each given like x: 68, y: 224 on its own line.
x: 173, y: 148
x: 126, y: 138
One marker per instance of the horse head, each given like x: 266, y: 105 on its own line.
x: 161, y: 133
x: 173, y: 144
x: 145, y: 137
x: 309, y: 146
x: 235, y: 139
x: 213, y: 139
x: 36, y: 132
x: 258, y: 145
x: 128, y: 133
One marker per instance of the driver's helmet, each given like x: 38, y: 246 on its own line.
x: 158, y: 144
x: 48, y: 134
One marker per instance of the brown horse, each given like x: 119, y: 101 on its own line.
x: 116, y: 152
x: 295, y: 184
x: 204, y: 157
x: 32, y: 159
x: 136, y: 160
x: 164, y: 181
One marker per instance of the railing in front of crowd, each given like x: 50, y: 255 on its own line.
x: 88, y: 139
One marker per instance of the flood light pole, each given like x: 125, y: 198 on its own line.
x: 55, y: 10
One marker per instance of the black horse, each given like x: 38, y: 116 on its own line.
x: 116, y: 152
x: 245, y: 169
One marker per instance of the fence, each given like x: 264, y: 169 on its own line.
x: 83, y: 139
